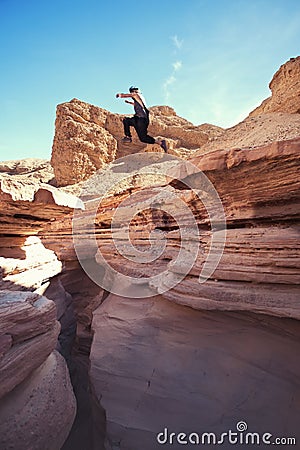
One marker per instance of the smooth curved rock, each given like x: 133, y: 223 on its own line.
x: 30, y: 320
x: 39, y: 413
x: 157, y: 365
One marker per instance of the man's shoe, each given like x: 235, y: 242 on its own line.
x: 126, y: 140
x: 163, y: 145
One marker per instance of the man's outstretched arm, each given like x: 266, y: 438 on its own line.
x: 124, y: 95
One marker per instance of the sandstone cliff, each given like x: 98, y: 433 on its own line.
x: 38, y: 307
x: 87, y: 137
x: 285, y: 87
x: 37, y: 404
x: 193, y: 357
x: 276, y: 119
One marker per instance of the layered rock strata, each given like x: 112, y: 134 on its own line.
x: 258, y: 270
x: 258, y: 273
x: 29, y: 206
x: 194, y: 358
x: 172, y: 356
x: 37, y: 404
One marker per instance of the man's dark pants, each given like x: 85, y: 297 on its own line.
x: 140, y: 125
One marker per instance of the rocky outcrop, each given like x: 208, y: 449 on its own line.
x: 166, y: 123
x: 81, y: 144
x: 37, y: 404
x: 276, y: 119
x: 285, y: 87
x: 87, y: 137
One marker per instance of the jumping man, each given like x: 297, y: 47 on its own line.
x: 140, y: 120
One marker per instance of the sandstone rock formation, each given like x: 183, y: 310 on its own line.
x: 276, y: 119
x: 40, y: 411
x: 36, y: 395
x: 29, y: 206
x: 168, y: 366
x: 88, y: 137
x: 148, y: 369
x: 197, y: 357
x: 37, y: 404
x: 81, y: 144
x: 262, y: 239
x: 285, y: 87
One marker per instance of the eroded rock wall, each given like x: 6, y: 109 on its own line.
x: 37, y: 403
x: 258, y: 270
x: 170, y: 365
x: 258, y: 273
x: 156, y: 365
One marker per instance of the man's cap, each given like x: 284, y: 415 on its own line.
x: 133, y: 89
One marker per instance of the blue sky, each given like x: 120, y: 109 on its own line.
x: 210, y: 60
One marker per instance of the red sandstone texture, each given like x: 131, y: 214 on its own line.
x: 210, y: 354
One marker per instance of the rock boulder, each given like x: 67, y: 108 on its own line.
x: 81, y: 144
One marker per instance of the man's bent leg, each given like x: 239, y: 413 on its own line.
x: 127, y: 123
x: 141, y: 126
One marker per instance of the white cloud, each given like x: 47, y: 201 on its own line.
x: 177, y: 42
x: 169, y: 81
x: 177, y: 65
